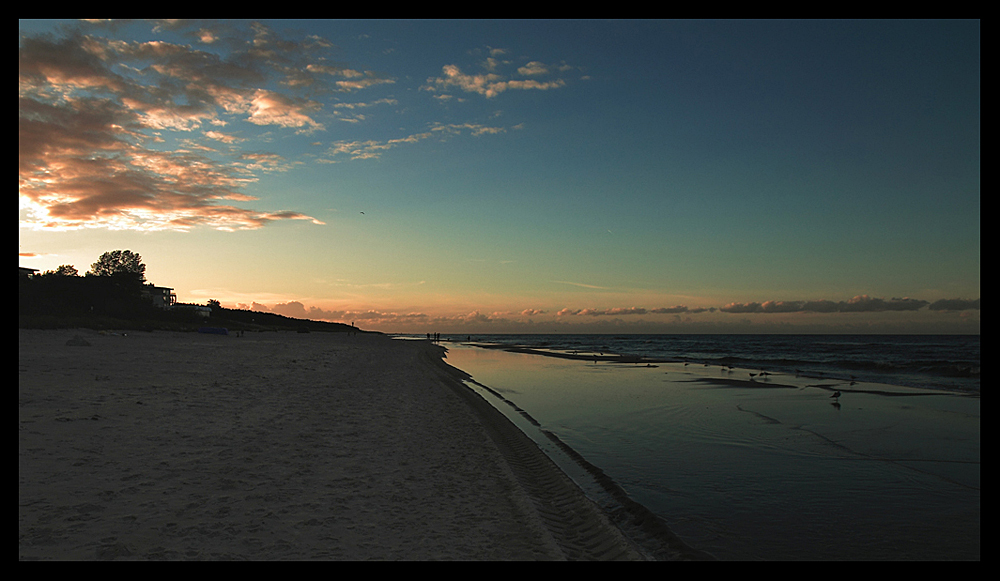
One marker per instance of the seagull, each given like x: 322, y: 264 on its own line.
x: 836, y: 395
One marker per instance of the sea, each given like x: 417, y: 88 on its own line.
x: 755, y: 447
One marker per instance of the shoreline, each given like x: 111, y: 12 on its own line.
x: 179, y: 446
x: 687, y: 441
x: 652, y: 534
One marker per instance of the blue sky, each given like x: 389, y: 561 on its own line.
x: 515, y: 176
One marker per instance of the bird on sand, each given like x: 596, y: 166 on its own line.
x: 836, y: 395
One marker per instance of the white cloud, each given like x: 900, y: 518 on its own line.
x: 533, y: 68
x: 492, y: 82
x: 373, y: 149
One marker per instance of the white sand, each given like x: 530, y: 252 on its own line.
x: 278, y: 446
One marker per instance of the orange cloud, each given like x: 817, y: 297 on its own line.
x: 90, y: 114
x: 269, y: 108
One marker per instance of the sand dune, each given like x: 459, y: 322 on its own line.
x: 279, y: 446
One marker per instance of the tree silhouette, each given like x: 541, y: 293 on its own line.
x: 63, y: 270
x: 119, y: 262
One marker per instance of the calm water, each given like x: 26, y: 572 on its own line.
x: 932, y: 361
x: 768, y: 468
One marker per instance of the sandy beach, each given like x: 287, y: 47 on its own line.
x: 279, y: 446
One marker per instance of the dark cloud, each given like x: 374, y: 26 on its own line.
x: 742, y: 308
x: 617, y: 318
x: 296, y: 309
x: 954, y: 305
x: 614, y: 311
x: 864, y: 303
x: 670, y: 310
x: 858, y: 304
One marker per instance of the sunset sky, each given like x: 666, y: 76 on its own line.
x: 517, y: 176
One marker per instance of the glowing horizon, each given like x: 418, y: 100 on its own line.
x: 453, y: 176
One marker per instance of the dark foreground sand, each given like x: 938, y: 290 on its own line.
x: 279, y: 446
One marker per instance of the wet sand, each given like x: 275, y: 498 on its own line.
x: 279, y: 446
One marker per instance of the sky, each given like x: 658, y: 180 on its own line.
x: 517, y: 176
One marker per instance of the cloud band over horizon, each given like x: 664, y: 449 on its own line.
x: 858, y: 304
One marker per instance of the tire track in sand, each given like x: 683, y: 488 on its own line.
x: 578, y: 526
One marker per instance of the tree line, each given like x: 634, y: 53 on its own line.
x: 111, y: 295
x: 113, y: 287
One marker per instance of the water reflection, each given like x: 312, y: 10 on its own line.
x: 774, y: 468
